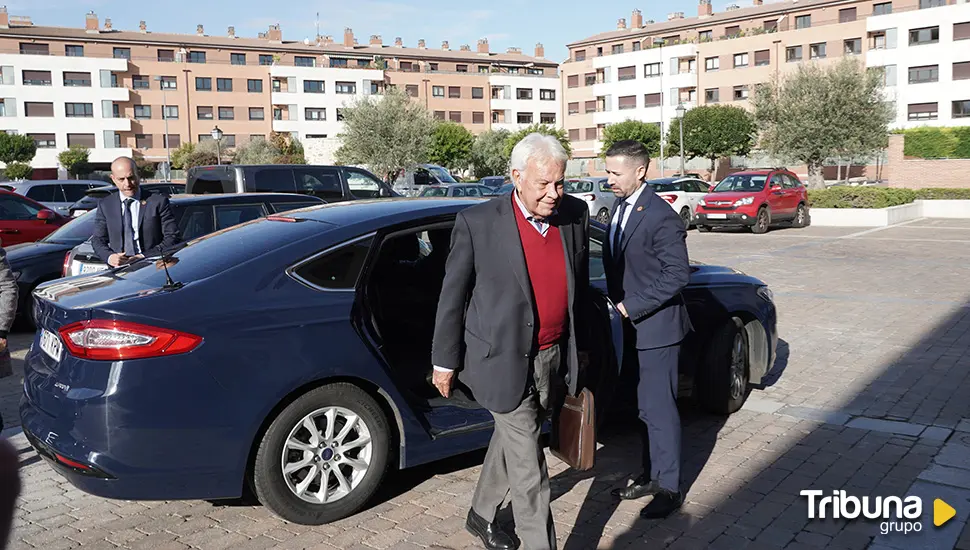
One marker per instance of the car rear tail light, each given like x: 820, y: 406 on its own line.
x: 67, y: 264
x: 671, y: 199
x: 590, y: 198
x: 283, y: 219
x: 105, y: 340
x: 72, y: 463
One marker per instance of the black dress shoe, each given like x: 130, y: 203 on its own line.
x: 640, y: 488
x: 491, y: 534
x: 663, y: 504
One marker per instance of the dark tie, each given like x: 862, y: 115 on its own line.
x: 618, y: 232
x: 128, y: 234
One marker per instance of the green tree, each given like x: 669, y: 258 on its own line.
x: 74, y: 159
x: 713, y: 132
x: 546, y: 129
x: 818, y: 113
x: 18, y: 170
x: 387, y: 133
x: 488, y: 153
x: 16, y: 148
x: 259, y: 151
x: 289, y: 149
x: 181, y: 154
x: 146, y: 168
x: 646, y: 133
x: 204, y: 153
x: 451, y: 146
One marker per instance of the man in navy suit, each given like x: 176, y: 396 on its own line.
x: 646, y: 269
x: 129, y: 226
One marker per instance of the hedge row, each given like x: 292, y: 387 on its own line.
x: 878, y: 197
x: 937, y: 143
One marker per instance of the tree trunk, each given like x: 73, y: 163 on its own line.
x: 815, y: 178
x: 838, y: 175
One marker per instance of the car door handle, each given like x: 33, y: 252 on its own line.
x: 10, y: 231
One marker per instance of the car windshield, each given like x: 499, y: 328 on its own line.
x: 578, y: 186
x: 441, y: 174
x: 434, y: 192
x: 741, y: 182
x: 73, y: 232
x: 667, y: 187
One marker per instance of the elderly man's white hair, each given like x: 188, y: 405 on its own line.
x: 539, y: 147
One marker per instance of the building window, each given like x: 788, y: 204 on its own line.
x: 168, y: 83
x: 265, y: 60
x: 651, y: 70
x: 920, y: 75
x: 143, y: 112
x: 203, y: 113
x: 961, y: 108
x: 712, y: 95
x: 547, y: 118
x: 224, y: 84
x: 579, y: 55
x: 37, y: 78
x: 74, y: 51
x: 922, y: 111
x: 203, y: 84
x: 79, y: 110
x: 590, y: 106
x: 30, y: 48
x: 884, y: 8
x: 84, y: 140
x: 762, y: 58
x: 314, y: 86
x: 256, y: 137
x: 478, y: 93
x: 345, y: 87
x: 573, y: 108
x: 256, y: 113
x: 961, y: 71
x: 636, y: 46
x: 238, y: 58
x: 227, y: 113
x: 523, y: 118
x: 877, y: 40
x: 740, y: 93
x: 172, y: 141
x: 439, y: 115
x: 852, y: 46
x: 803, y: 21
x: 547, y: 95
x: 888, y: 75
x: 140, y: 82
x: 170, y: 112
x: 461, y: 68
x: 313, y: 113
x: 144, y: 141
x: 924, y: 4
x: 438, y: 91
x: 793, y: 53
x: 710, y: 64
x: 847, y: 15
x: 523, y: 93
x: 454, y: 92
x: 303, y: 61
x: 339, y: 62
x: 961, y: 31
x: 626, y: 73
x: 166, y: 56
x: 121, y: 53
x: 478, y: 117
x: 196, y: 57
x: 816, y: 51
x: 928, y: 35
x: 627, y: 102
x: 572, y: 81
x: 47, y: 141
x: 732, y: 31
x: 617, y: 49
x: 740, y: 60
x: 454, y: 116
x: 705, y: 36
x: 115, y: 110
x: 254, y: 85
x: 574, y: 134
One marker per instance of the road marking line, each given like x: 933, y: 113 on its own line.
x: 875, y: 229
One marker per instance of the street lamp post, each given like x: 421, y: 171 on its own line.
x: 660, y: 42
x: 680, y: 116
x: 217, y: 135
x: 168, y: 153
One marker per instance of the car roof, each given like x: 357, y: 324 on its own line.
x: 757, y: 172
x: 22, y: 197
x: 665, y: 180
x: 379, y: 211
x: 241, y: 198
x: 145, y: 185
x: 29, y: 183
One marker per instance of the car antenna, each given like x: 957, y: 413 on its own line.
x: 169, y: 283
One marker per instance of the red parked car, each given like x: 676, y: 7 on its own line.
x: 23, y: 220
x: 756, y: 199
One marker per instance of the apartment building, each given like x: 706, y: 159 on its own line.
x: 120, y: 92
x: 646, y: 70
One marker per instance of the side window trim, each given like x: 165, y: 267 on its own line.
x: 292, y: 270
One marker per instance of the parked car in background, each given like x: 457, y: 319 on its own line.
x: 682, y: 194
x: 23, y: 220
x: 199, y: 215
x: 58, y: 195
x: 456, y: 190
x: 493, y: 182
x: 504, y: 190
x: 330, y: 183
x: 755, y: 199
x: 597, y: 194
x: 93, y: 196
x: 412, y: 182
x: 291, y: 355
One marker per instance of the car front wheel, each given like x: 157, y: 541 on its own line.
x: 722, y: 379
x: 324, y: 455
x: 603, y: 216
x: 685, y: 215
x: 762, y: 222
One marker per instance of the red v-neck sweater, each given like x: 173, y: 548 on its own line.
x: 546, y: 261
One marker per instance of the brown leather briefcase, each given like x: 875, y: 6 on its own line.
x: 574, y: 432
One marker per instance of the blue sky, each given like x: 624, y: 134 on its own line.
x: 505, y: 23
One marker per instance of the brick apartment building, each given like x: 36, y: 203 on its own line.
x: 117, y: 91
x: 646, y: 70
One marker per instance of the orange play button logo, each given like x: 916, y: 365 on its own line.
x: 942, y: 512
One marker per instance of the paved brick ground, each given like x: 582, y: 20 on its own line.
x: 868, y: 396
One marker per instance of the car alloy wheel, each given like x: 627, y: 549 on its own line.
x: 685, y: 215
x: 721, y: 382
x: 326, y: 455
x: 738, y: 367
x: 761, y: 222
x: 603, y: 216
x: 800, y: 216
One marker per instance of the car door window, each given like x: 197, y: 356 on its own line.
x: 320, y: 182
x: 12, y: 208
x: 777, y: 179
x: 362, y: 185
x: 457, y: 192
x: 423, y: 177
x: 228, y: 215
x: 472, y: 192
x: 45, y: 193
x: 596, y: 269
x: 338, y: 269
x: 791, y: 182
x: 74, y: 192
x: 275, y: 180
x: 196, y: 221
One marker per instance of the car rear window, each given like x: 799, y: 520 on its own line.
x: 75, y: 231
x: 434, y: 192
x: 578, y: 186
x: 741, y: 182
x: 668, y: 187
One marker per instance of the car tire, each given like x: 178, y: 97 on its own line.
x: 603, y: 216
x: 722, y: 380
x: 685, y: 215
x: 801, y: 216
x: 762, y: 222
x: 278, y: 491
x: 703, y: 228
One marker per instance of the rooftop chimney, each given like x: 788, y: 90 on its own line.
x: 107, y: 24
x: 704, y: 8
x: 4, y: 18
x: 349, y: 37
x: 199, y: 30
x: 91, y: 22
x: 444, y: 45
x: 482, y: 45
x: 514, y: 50
x: 232, y: 32
x: 636, y: 20
x: 466, y: 48
x: 675, y: 15
x: 421, y: 43
x: 326, y: 40
x: 621, y: 24
x: 398, y: 42
x: 375, y: 40
x: 758, y: 2
x: 732, y: 7
x: 142, y: 26
x: 540, y: 51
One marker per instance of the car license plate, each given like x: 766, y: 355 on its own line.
x: 51, y: 344
x: 717, y: 216
x: 79, y: 212
x: 92, y: 268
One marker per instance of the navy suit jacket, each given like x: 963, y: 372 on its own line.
x: 158, y: 229
x: 650, y: 270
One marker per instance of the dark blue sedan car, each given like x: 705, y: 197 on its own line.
x: 291, y: 355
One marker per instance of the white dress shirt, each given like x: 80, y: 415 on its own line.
x: 630, y: 201
x: 135, y: 208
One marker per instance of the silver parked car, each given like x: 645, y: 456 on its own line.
x: 597, y: 194
x: 58, y: 195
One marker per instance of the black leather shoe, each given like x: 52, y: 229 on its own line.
x: 640, y: 488
x: 491, y: 534
x: 663, y: 504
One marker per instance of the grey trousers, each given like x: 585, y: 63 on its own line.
x: 516, y: 464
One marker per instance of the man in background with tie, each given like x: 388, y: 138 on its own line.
x: 129, y: 226
x: 646, y: 269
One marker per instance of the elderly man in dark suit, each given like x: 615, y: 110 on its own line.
x: 507, y: 322
x: 129, y: 226
x: 646, y: 269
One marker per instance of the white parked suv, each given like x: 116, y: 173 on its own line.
x: 681, y: 194
x: 597, y: 194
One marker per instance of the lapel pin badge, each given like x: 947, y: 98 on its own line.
x: 144, y: 202
x: 640, y: 209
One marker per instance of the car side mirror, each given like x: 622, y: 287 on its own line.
x: 46, y: 215
x: 384, y: 192
x: 776, y: 187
